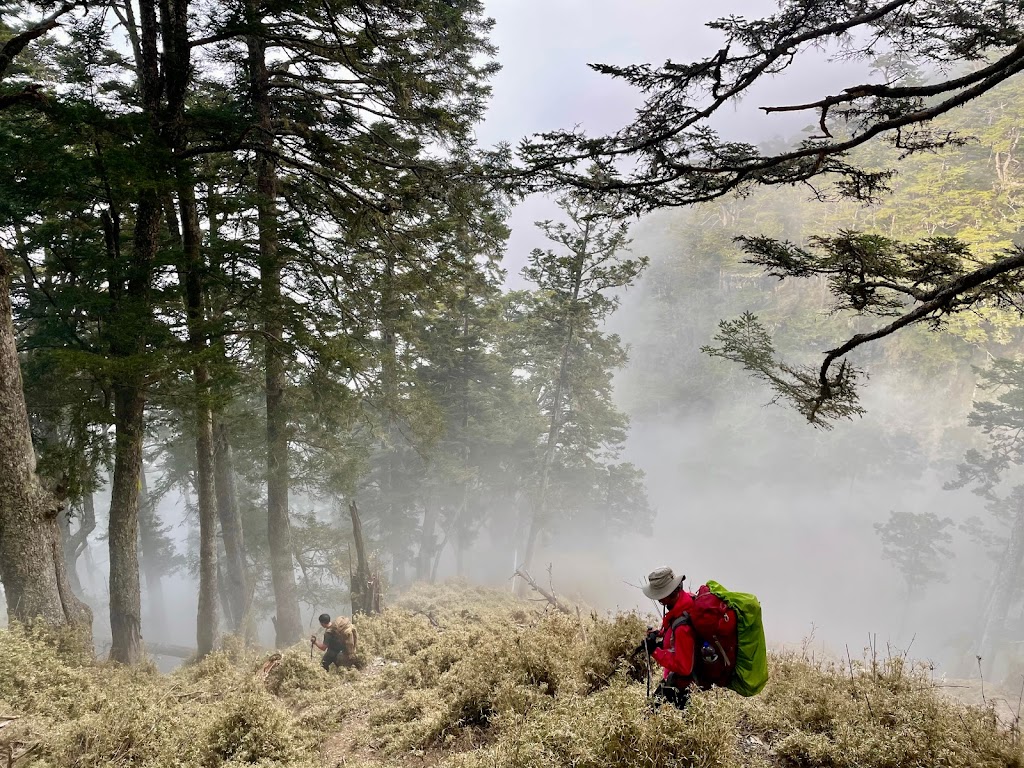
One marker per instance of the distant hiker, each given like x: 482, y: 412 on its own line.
x: 339, y: 642
x: 711, y: 638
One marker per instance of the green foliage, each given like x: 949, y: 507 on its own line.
x: 746, y: 341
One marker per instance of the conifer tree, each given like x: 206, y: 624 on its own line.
x: 570, y: 359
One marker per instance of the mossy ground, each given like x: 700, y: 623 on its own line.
x: 462, y: 677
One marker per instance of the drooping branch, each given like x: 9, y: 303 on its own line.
x: 678, y: 159
x: 939, y: 300
x: 869, y: 274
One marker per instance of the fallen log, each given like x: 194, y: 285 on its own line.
x: 549, y: 596
x: 158, y: 649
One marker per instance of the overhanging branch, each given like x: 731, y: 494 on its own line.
x: 936, y: 301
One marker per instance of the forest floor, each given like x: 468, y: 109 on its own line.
x: 464, y: 677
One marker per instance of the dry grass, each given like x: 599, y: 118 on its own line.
x: 462, y: 677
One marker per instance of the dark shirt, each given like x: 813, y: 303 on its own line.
x: 335, y: 642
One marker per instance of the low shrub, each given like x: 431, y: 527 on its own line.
x: 614, y: 727
x: 465, y: 678
x: 254, y: 728
x: 886, y: 714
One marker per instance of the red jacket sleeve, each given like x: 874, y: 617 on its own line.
x: 680, y: 658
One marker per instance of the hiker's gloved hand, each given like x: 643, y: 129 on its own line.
x: 312, y: 638
x: 651, y: 642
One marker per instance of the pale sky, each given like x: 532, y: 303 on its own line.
x: 545, y: 84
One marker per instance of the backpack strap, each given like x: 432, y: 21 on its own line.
x: 683, y: 619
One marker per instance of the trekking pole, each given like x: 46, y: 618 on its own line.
x: 648, y: 655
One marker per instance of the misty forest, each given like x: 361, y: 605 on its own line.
x: 365, y: 363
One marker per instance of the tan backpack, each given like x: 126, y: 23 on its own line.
x: 343, y: 628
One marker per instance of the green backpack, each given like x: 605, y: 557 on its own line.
x: 751, y: 668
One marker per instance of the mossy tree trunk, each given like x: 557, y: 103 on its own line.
x: 31, y: 552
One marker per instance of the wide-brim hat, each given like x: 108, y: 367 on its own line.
x: 661, y: 583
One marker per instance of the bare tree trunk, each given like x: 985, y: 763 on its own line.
x: 235, y: 577
x: 31, y: 554
x: 365, y: 595
x: 288, y: 624
x: 546, y: 594
x: 125, y: 596
x: 206, y: 623
x: 1005, y: 588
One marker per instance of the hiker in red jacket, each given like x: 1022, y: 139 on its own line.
x: 674, y: 645
x: 687, y: 657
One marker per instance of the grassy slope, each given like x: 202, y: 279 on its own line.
x: 495, y: 683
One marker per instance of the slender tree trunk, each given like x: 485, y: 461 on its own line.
x: 428, y: 542
x: 540, y: 508
x: 364, y: 583
x: 188, y: 237
x: 235, y: 572
x: 152, y: 565
x: 31, y: 554
x: 174, y: 28
x: 1005, y: 588
x: 130, y: 286
x: 235, y: 576
x: 206, y: 626
x: 460, y: 552
x: 454, y: 526
x: 288, y: 624
x: 222, y: 590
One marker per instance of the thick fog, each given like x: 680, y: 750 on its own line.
x: 745, y: 492
x: 807, y: 546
